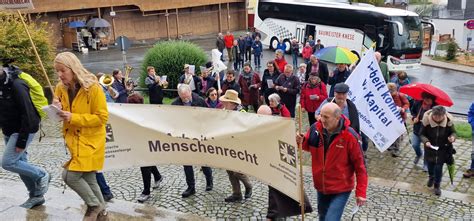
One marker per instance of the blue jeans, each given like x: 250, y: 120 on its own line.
x: 435, y: 171
x: 416, y: 144
x: 295, y: 60
x: 18, y: 163
x: 257, y: 60
x: 104, y: 188
x: 331, y: 206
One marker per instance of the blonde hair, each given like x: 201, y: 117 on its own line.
x: 392, y: 87
x: 85, y: 78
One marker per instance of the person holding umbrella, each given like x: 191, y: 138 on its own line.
x: 427, y: 96
x: 438, y: 135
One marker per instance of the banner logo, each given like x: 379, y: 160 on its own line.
x: 287, y: 153
x: 109, y: 133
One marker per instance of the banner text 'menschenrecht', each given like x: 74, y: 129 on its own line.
x: 197, y: 146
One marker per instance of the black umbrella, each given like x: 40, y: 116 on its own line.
x: 98, y: 23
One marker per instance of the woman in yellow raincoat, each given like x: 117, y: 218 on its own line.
x: 84, y: 113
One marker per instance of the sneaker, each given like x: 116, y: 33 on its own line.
x: 43, y: 184
x: 233, y: 198
x: 248, y: 193
x: 33, y: 201
x: 417, y: 159
x: 157, y: 183
x: 469, y: 173
x: 108, y: 197
x: 142, y: 198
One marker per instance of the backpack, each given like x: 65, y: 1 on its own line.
x: 36, y: 93
x: 36, y: 90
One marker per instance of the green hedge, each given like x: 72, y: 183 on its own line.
x: 169, y: 57
x: 15, y: 45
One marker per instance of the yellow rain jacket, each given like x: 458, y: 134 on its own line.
x: 85, y: 133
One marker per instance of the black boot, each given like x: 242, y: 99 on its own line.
x: 430, y: 182
x: 437, y: 190
x: 188, y: 192
x: 209, y: 185
x: 233, y: 198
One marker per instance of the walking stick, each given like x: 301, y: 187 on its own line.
x: 36, y: 52
x: 300, y: 150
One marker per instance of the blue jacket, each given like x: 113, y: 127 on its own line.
x: 281, y: 46
x: 470, y: 116
x: 242, y: 45
x: 123, y: 94
x: 248, y: 41
x: 257, y: 47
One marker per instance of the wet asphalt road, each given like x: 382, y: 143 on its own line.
x: 459, y: 85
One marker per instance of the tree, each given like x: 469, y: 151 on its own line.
x: 168, y: 58
x: 15, y: 46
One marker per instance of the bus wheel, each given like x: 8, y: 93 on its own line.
x: 273, y: 43
x: 288, y: 46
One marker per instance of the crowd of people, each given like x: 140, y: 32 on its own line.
x: 334, y: 139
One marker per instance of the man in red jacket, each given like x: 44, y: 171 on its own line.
x: 229, y: 41
x: 336, y: 160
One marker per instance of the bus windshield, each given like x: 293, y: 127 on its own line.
x: 412, y: 33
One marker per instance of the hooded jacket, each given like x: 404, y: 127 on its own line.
x: 437, y: 134
x: 336, y: 166
x: 17, y: 112
x: 84, y: 134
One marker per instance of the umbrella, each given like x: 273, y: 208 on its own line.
x: 77, y: 24
x: 98, y: 23
x: 451, y: 171
x: 415, y: 90
x: 337, y: 55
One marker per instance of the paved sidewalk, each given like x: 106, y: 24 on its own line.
x: 400, y: 194
x: 426, y: 60
x: 68, y: 206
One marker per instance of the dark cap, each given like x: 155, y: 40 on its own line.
x: 341, y: 88
x: 209, y: 64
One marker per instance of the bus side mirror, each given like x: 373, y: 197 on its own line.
x: 399, y: 26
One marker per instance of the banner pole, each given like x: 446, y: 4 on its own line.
x: 300, y: 149
x: 36, y: 52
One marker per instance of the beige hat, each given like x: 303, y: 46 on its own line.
x: 231, y: 96
x: 186, y: 66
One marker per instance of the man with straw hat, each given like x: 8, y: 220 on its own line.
x: 231, y: 101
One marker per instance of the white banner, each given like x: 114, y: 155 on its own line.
x: 256, y: 145
x: 16, y: 4
x: 379, y: 117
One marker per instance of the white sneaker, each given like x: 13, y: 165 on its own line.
x: 157, y: 183
x: 142, y: 198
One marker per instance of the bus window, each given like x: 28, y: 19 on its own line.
x: 367, y: 42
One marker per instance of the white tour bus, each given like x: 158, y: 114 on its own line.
x: 397, y: 33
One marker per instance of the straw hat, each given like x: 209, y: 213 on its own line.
x: 231, y: 96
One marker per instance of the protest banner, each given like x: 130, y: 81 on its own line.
x: 379, y: 117
x: 260, y: 146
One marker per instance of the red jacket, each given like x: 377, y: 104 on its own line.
x: 229, y: 41
x: 307, y: 52
x: 344, y: 161
x: 249, y: 96
x: 281, y: 110
x: 401, y: 100
x: 281, y: 64
x: 305, y: 99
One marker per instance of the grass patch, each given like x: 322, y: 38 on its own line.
x: 463, y: 130
x: 166, y: 100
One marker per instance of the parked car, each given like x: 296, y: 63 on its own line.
x: 396, y: 2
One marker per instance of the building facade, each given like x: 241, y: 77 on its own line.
x: 142, y: 20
